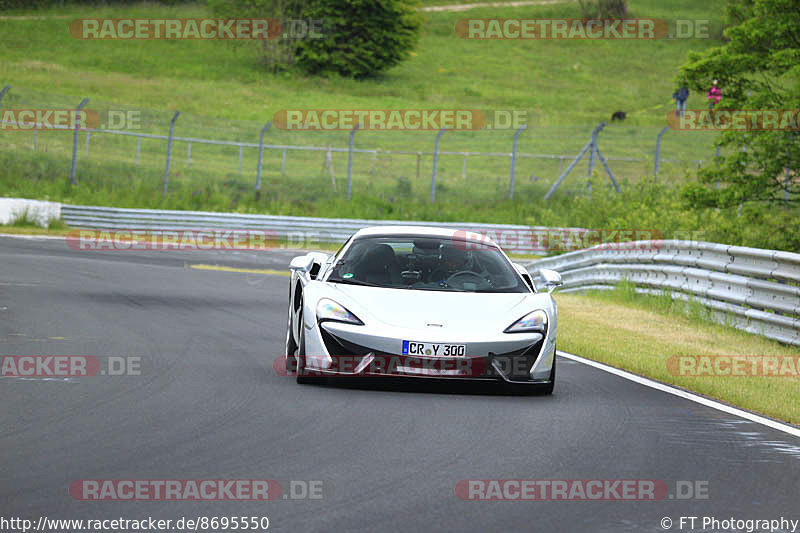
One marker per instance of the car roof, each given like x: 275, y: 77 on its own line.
x: 422, y: 231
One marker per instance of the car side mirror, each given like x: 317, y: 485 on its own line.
x: 310, y: 264
x: 301, y: 264
x: 551, y: 278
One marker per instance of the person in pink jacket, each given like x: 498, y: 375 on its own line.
x: 714, y: 95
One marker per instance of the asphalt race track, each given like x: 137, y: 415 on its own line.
x: 207, y: 404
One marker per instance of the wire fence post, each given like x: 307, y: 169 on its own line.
x: 658, y: 153
x: 350, y: 161
x: 436, y: 163
x: 188, y: 154
x: 592, y: 150
x: 261, y: 154
x: 88, y: 138
x: 283, y: 162
x: 3, y: 93
x: 419, y: 164
x: 169, y: 151
x: 241, y: 154
x: 514, y: 160
x: 75, y: 139
x: 138, y: 148
x: 590, y: 144
x: 35, y: 131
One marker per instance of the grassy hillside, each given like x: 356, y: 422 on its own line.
x: 566, y: 87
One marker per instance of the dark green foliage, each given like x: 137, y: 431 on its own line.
x: 362, y: 38
x: 758, y: 69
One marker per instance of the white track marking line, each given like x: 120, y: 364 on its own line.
x: 774, y: 424
x: 33, y: 237
x: 463, y: 7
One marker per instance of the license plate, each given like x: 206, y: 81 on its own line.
x: 427, y: 349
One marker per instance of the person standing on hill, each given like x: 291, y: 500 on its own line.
x: 680, y: 96
x: 714, y: 95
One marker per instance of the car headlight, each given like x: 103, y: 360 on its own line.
x: 535, y: 321
x: 329, y: 310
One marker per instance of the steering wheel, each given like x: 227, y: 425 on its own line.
x: 462, y: 273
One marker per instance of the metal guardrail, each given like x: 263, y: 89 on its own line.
x: 751, y: 289
x: 295, y: 231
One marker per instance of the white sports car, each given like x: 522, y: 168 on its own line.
x: 421, y: 302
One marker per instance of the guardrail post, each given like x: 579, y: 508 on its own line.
x: 261, y: 154
x: 350, y: 161
x: 436, y: 163
x: 658, y: 153
x: 75, y: 139
x: 169, y: 151
x: 514, y: 160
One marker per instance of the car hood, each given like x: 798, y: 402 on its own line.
x: 462, y: 312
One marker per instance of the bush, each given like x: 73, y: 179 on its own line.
x: 361, y: 37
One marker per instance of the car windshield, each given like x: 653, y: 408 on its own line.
x: 426, y: 263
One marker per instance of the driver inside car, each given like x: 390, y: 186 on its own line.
x: 451, y: 260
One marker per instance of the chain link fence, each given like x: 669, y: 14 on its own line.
x: 392, y: 164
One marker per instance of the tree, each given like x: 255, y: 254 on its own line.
x: 277, y: 53
x: 361, y: 38
x: 758, y: 69
x: 603, y: 9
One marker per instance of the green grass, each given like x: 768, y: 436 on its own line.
x: 640, y: 334
x: 566, y: 87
